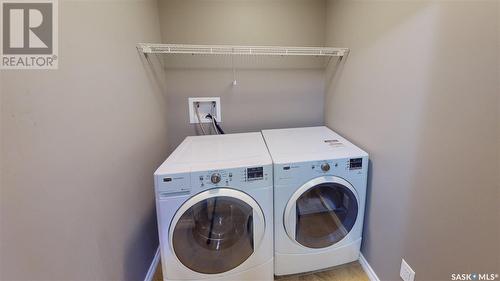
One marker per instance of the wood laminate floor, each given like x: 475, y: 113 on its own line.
x: 348, y: 272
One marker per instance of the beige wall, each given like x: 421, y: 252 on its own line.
x: 267, y: 96
x: 420, y: 93
x: 79, y: 148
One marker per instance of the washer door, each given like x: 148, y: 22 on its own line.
x: 216, y: 230
x: 321, y: 212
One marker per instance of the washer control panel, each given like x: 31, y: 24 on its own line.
x: 245, y: 176
x: 194, y: 182
x: 219, y: 177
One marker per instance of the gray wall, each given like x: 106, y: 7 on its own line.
x: 79, y: 146
x: 420, y: 92
x: 287, y: 93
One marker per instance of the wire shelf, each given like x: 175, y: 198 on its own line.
x: 147, y: 48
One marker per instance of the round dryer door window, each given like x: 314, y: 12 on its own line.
x: 322, y: 212
x: 217, y: 230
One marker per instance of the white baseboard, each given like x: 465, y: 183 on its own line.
x: 368, y: 269
x: 153, y: 266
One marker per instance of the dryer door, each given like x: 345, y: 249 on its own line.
x: 216, y: 230
x: 321, y: 212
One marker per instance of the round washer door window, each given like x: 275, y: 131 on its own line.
x: 216, y: 231
x: 322, y: 212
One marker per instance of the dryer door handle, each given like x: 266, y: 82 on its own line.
x: 290, y: 220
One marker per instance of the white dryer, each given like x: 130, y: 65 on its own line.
x: 319, y: 198
x: 215, y: 209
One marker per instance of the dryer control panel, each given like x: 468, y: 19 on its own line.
x: 297, y: 173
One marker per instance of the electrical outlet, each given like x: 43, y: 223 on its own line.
x: 406, y: 273
x: 204, y: 106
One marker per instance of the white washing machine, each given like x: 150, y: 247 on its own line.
x: 214, y: 201
x: 319, y: 198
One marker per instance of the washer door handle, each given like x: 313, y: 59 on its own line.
x: 259, y: 227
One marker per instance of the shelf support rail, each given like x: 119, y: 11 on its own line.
x: 147, y: 48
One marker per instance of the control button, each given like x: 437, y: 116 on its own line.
x: 215, y: 178
x: 201, y: 178
x: 325, y: 167
x: 230, y: 175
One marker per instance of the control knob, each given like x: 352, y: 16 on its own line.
x: 215, y: 178
x: 325, y: 167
